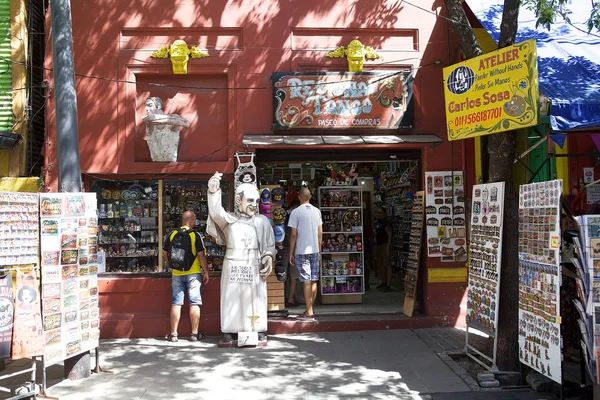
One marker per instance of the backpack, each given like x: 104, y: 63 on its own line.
x: 182, y: 251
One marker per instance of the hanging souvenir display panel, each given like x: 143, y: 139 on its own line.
x: 540, y: 278
x: 69, y: 271
x: 445, y: 215
x: 485, y: 251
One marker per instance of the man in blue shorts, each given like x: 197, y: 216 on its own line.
x: 306, y: 240
x: 189, y: 281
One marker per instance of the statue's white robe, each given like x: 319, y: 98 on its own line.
x: 243, y: 291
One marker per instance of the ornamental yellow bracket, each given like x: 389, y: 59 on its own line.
x: 179, y: 53
x: 356, y: 54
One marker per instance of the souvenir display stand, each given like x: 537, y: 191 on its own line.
x: 273, y: 210
x: 19, y: 243
x: 587, y: 267
x: 445, y: 216
x: 540, y: 344
x: 69, y: 270
x: 485, y: 260
x: 342, y: 272
x: 414, y: 256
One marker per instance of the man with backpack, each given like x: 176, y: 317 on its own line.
x: 184, y: 250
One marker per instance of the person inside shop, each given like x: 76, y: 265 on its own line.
x: 293, y: 297
x: 306, y: 241
x: 383, y: 237
x: 186, y: 277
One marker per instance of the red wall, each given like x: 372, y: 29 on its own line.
x: 229, y: 93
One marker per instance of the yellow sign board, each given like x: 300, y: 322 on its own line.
x: 492, y: 93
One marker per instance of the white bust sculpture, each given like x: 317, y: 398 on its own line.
x: 248, y: 259
x: 162, y: 131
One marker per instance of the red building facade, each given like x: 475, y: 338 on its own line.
x: 229, y: 94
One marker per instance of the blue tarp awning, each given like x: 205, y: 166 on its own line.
x: 568, y: 61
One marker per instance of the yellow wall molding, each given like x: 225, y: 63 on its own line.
x: 562, y: 166
x: 439, y: 275
x: 18, y: 17
x: 30, y: 185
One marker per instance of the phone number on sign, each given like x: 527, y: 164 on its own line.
x: 478, y: 116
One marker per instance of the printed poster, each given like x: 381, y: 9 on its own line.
x: 485, y: 253
x: 540, y: 277
x: 69, y: 271
x: 7, y: 310
x: 28, y: 337
x: 445, y: 216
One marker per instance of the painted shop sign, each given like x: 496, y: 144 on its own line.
x: 366, y: 100
x: 492, y: 93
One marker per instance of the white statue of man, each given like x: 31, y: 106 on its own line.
x: 248, y: 259
x: 162, y: 131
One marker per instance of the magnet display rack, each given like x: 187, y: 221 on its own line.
x: 128, y: 225
x: 342, y: 266
x: 414, y: 255
x: 183, y: 195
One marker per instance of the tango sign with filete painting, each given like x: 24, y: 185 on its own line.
x: 345, y: 100
x: 492, y: 93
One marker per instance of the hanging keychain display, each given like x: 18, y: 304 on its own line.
x: 246, y: 171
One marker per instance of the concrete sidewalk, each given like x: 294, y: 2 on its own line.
x: 393, y: 364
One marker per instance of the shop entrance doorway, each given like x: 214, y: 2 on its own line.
x: 349, y: 188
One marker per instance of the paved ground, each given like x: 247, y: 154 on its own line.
x: 373, y: 364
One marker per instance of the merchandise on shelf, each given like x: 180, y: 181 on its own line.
x: 191, y: 195
x: 19, y: 228
x: 342, y: 265
x: 128, y: 225
x: 414, y: 247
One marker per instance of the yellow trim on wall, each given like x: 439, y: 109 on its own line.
x: 562, y: 166
x: 4, y: 162
x: 29, y: 185
x: 478, y: 164
x: 439, y: 275
x: 487, y: 44
x: 18, y: 29
x: 485, y: 40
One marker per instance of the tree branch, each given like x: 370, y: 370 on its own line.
x: 463, y: 29
x: 509, y: 24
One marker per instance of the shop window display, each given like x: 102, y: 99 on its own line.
x: 184, y: 195
x: 128, y: 224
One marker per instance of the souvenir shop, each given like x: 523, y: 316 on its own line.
x: 348, y: 187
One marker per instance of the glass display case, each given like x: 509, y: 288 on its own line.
x: 183, y: 195
x: 128, y: 224
x: 342, y: 265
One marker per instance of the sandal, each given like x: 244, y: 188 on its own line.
x: 197, y: 336
x: 305, y: 316
x: 172, y: 337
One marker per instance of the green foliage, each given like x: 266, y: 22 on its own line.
x: 547, y: 11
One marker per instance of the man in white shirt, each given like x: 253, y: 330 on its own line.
x: 305, y: 247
